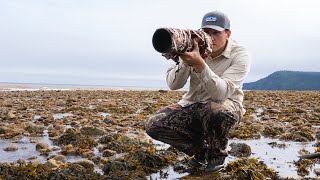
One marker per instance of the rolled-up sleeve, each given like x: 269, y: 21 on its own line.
x: 221, y: 88
x: 177, y: 75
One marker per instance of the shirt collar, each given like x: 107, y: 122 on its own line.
x: 227, y: 51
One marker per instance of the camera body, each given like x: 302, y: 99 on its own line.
x: 172, y: 41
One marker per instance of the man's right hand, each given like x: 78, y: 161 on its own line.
x: 193, y: 58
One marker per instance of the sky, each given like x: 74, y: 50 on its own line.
x: 102, y: 42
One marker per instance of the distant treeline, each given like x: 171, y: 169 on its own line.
x: 287, y: 80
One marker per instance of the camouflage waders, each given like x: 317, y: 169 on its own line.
x: 199, y: 129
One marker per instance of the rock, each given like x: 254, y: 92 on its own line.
x: 87, y: 154
x: 317, y: 171
x: 265, y: 117
x: 163, y: 91
x: 295, y: 117
x: 299, y: 110
x: 68, y: 149
x: 41, y: 146
x: 109, y: 103
x: 55, y: 148
x: 240, y: 150
x: 12, y: 147
x: 148, y: 157
x: 52, y: 164
x: 32, y: 157
x: 91, y: 130
x: 275, y: 144
x: 108, y: 138
x: 3, y: 130
x: 108, y: 120
x: 298, y: 122
x: 100, y: 147
x: 11, y: 115
x: 60, y: 158
x: 76, y: 138
x: 114, y: 166
x: 59, y: 127
x: 96, y: 159
x: 21, y: 161
x: 108, y: 153
x: 85, y: 163
x: 273, y: 131
x: 35, y: 129
x: 317, y: 144
x: 275, y: 111
x: 96, y: 122
x: 148, y: 103
x: 74, y: 123
x: 33, y: 140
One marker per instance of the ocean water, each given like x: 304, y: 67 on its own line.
x: 117, y: 85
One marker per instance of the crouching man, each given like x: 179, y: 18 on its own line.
x: 199, y: 123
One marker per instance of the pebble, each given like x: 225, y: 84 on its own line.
x: 52, y: 164
x: 60, y: 158
x: 41, y: 146
x: 21, y: 161
x: 85, y: 163
x: 12, y: 147
x: 108, y: 153
x: 240, y: 150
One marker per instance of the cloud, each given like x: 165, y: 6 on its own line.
x: 113, y: 39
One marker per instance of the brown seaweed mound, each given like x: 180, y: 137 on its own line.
x: 250, y: 169
x: 76, y: 139
x: 41, y: 171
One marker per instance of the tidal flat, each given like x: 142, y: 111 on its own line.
x: 99, y: 134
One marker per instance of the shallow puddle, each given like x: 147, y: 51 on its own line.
x: 92, y: 106
x: 104, y: 114
x: 166, y: 173
x: 159, y: 145
x: 279, y: 159
x: 59, y: 108
x: 61, y: 115
x: 35, y: 118
x: 27, y: 150
x: 257, y: 114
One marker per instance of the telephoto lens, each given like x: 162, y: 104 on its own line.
x: 172, y: 41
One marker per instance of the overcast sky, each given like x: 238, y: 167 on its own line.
x: 103, y: 42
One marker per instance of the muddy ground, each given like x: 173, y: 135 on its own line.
x: 99, y: 134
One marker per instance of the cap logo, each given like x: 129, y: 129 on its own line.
x: 211, y: 19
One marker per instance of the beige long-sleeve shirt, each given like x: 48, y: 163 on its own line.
x: 222, y: 78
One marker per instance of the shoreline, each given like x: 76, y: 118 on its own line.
x: 66, y: 87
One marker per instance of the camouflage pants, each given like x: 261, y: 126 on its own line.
x: 199, y: 129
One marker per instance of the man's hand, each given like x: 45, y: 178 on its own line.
x: 194, y: 58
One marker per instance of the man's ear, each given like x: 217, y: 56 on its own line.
x: 228, y: 32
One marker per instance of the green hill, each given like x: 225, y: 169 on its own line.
x: 287, y: 80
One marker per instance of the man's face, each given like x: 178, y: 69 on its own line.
x: 219, y: 39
